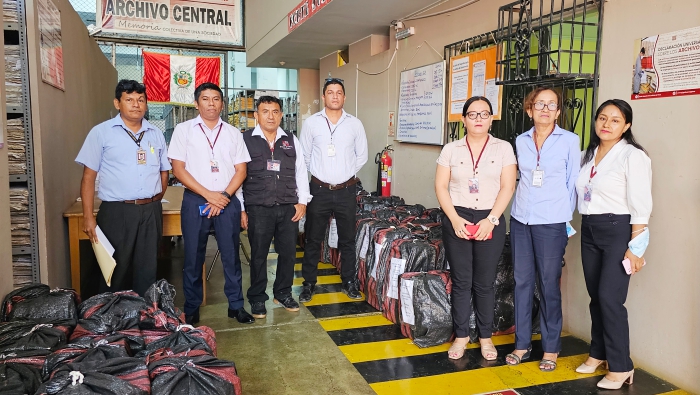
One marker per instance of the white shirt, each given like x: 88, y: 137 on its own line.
x: 189, y: 144
x: 302, y: 178
x: 348, y: 139
x: 622, y: 184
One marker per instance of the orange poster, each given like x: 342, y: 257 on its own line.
x: 473, y: 74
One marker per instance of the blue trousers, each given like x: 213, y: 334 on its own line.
x: 195, y: 233
x: 538, y: 251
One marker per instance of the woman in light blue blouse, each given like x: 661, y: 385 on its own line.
x: 548, y: 161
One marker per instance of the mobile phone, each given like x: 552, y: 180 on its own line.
x: 472, y: 229
x: 628, y: 265
x: 203, y: 213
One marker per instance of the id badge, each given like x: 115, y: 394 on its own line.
x: 141, y: 156
x: 331, y: 150
x: 537, y: 178
x: 473, y: 185
x: 587, y: 191
x: 214, y: 165
x: 273, y: 165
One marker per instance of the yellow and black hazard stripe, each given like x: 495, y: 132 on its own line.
x: 392, y: 364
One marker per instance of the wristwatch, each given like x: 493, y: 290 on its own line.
x: 226, y: 194
x: 493, y: 219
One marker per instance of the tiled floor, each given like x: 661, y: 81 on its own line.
x: 335, y: 345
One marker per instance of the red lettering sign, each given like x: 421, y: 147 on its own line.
x: 301, y: 13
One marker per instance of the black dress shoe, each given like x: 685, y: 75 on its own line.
x: 192, y: 319
x: 287, y: 302
x: 241, y: 315
x: 350, y: 289
x: 307, y: 292
x: 258, y: 309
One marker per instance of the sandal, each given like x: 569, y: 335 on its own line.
x: 488, y: 351
x: 518, y: 360
x: 456, y: 351
x: 547, y: 362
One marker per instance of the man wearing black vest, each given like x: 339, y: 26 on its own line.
x: 275, y: 195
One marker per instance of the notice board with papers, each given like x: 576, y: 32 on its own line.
x: 421, y: 115
x: 473, y: 74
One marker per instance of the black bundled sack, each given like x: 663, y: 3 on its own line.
x: 27, y: 335
x: 108, y: 313
x: 504, y: 309
x: 38, y: 303
x: 34, y: 358
x: 18, y: 379
x: 504, y: 314
x: 192, y: 372
x: 161, y: 312
x: 118, y: 376
x: 194, y: 339
x: 432, y: 309
x: 92, y: 351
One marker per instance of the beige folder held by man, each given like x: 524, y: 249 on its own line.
x: 104, y: 252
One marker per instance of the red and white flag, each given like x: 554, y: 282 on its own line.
x: 173, y: 78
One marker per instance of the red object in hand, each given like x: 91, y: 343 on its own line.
x: 472, y: 229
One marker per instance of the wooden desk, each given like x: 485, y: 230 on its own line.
x: 171, y: 227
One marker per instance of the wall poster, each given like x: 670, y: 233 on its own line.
x: 473, y: 74
x: 667, y: 65
x: 51, y: 47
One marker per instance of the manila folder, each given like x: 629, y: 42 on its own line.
x: 103, y: 252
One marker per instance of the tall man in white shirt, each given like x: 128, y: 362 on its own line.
x: 209, y: 157
x: 276, y: 193
x: 335, y: 149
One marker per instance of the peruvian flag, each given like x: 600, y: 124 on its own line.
x: 173, y: 78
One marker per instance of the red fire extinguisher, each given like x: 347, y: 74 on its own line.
x: 383, y: 160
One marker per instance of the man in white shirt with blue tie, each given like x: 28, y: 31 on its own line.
x: 335, y: 149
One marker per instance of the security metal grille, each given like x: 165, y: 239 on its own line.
x: 542, y: 43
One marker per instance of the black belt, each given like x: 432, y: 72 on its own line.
x: 335, y: 187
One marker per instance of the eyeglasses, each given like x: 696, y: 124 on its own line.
x: 483, y: 114
x: 540, y: 105
x: 333, y: 79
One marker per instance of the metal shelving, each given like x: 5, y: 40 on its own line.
x: 28, y: 255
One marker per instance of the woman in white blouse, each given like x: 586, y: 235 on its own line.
x: 614, y: 192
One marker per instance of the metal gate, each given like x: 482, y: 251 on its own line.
x: 542, y: 44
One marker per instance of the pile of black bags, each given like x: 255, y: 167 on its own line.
x: 403, y: 272
x: 113, y: 343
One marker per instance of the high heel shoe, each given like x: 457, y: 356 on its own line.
x: 588, y: 369
x: 616, y: 385
x: 455, y: 351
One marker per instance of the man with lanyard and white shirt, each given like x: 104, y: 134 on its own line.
x: 335, y: 149
x: 209, y: 157
x: 131, y: 157
x: 276, y: 193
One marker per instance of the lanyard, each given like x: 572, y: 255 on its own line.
x: 332, y: 130
x: 534, y: 138
x: 137, y: 141
x: 215, y: 139
x: 475, y: 165
x: 593, y: 173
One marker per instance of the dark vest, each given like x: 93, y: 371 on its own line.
x: 264, y: 187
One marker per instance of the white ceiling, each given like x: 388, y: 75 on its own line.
x: 338, y: 24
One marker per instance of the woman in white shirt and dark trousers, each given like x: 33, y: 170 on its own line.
x: 614, y: 198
